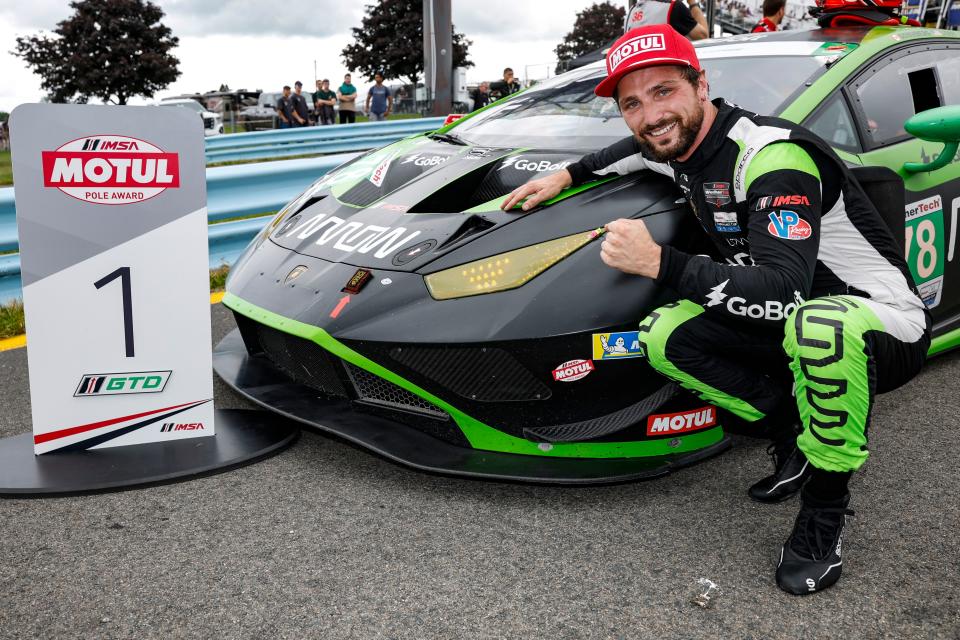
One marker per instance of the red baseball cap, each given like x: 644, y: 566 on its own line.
x: 648, y: 46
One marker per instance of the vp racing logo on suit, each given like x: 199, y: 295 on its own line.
x: 735, y: 305
x: 788, y: 225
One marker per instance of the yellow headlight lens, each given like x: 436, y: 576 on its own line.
x: 504, y: 271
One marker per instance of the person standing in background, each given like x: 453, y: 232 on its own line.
x: 481, y: 97
x: 347, y: 95
x: 686, y: 17
x: 285, y: 108
x: 773, y: 11
x: 508, y: 86
x: 379, y: 100
x: 299, y: 111
x: 324, y: 101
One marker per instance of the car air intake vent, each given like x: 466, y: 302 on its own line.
x: 515, y: 170
x: 471, y: 226
x: 484, y: 374
x: 375, y: 390
x: 604, y: 425
x: 306, y: 362
x: 395, y: 173
x: 362, y: 194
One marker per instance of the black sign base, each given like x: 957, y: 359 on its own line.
x: 242, y: 437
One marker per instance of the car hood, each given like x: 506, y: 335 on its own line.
x: 412, y: 201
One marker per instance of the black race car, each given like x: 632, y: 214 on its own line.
x: 394, y: 304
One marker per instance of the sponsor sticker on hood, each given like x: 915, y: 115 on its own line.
x: 521, y: 163
x: 110, y: 169
x: 572, y: 370
x: 614, y: 346
x: 380, y: 172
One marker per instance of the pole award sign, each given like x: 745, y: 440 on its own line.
x: 112, y: 219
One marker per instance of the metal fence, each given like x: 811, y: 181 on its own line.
x: 282, y: 143
x: 234, y: 191
x: 245, y: 189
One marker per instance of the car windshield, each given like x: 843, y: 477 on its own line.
x: 192, y: 105
x: 564, y: 113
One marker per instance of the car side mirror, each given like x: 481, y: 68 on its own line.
x: 935, y: 125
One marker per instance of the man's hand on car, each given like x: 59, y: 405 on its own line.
x: 628, y: 246
x: 537, y: 191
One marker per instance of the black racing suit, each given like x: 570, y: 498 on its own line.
x: 811, y: 270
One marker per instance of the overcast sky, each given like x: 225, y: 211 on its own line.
x: 251, y: 44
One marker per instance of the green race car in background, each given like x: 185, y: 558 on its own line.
x: 395, y: 305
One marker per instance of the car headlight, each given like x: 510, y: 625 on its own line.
x: 503, y: 271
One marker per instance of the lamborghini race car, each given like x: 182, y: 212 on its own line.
x: 395, y: 305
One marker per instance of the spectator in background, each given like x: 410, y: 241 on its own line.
x: 773, y: 11
x: 481, y: 97
x: 323, y: 102
x: 299, y: 110
x: 379, y: 100
x: 347, y: 95
x: 285, y: 108
x: 686, y: 17
x: 505, y: 87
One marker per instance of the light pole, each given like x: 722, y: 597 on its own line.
x: 438, y: 55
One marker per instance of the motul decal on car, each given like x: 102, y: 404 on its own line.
x: 682, y: 422
x: 572, y: 370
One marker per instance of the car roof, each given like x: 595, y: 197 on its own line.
x: 798, y: 42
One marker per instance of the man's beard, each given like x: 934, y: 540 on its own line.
x: 688, y: 133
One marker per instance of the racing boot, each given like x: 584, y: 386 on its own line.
x: 810, y: 558
x: 791, y: 470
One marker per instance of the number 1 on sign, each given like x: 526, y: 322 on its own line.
x: 124, y: 274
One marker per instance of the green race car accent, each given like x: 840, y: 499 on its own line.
x: 480, y: 436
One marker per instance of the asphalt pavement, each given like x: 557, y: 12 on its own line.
x: 328, y: 541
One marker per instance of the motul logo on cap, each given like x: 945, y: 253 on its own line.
x: 111, y: 169
x: 633, y: 47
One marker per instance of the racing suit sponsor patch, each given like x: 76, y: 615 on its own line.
x: 726, y: 221
x: 716, y: 193
x: 681, y: 422
x: 736, y: 305
x: 773, y: 202
x: 788, y: 225
x: 612, y: 346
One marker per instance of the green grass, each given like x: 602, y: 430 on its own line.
x: 6, y: 168
x: 11, y: 314
x: 11, y: 319
x: 218, y: 277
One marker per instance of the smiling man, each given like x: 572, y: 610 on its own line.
x: 809, y: 280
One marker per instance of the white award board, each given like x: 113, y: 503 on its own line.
x: 112, y: 221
